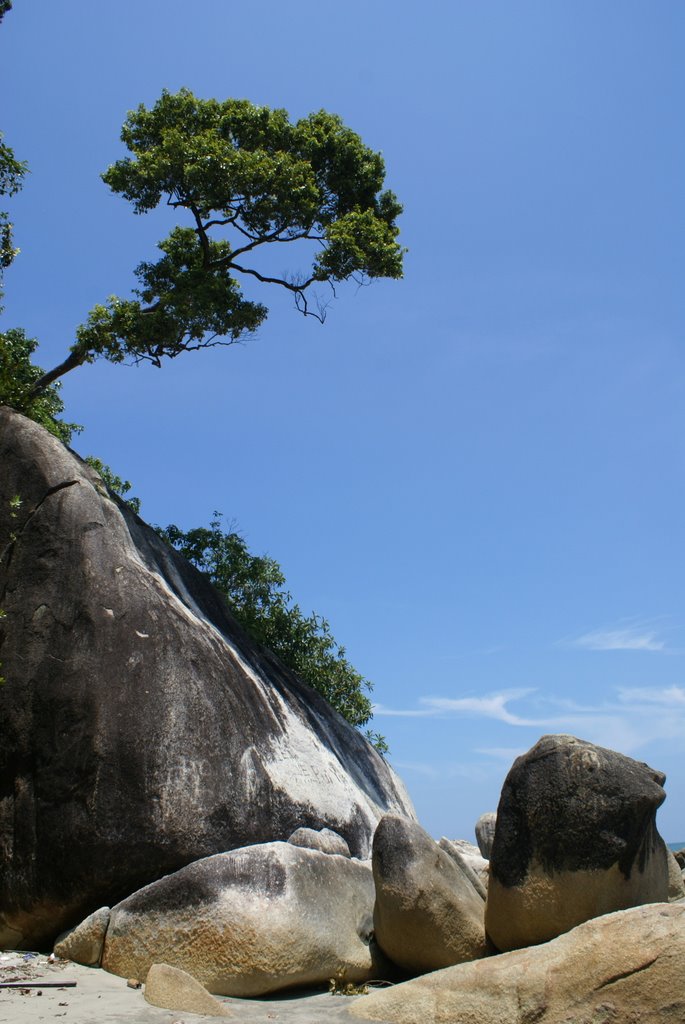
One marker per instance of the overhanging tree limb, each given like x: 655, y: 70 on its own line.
x: 248, y: 178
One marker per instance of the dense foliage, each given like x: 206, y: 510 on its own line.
x: 254, y: 586
x: 18, y: 375
x: 246, y: 179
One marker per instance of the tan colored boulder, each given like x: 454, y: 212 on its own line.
x: 173, y: 989
x: 575, y: 838
x: 325, y: 840
x: 676, y: 884
x: 428, y: 913
x: 252, y: 921
x: 624, y: 968
x: 84, y: 943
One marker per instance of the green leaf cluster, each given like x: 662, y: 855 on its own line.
x: 246, y: 177
x: 255, y: 588
x: 12, y: 172
x: 18, y: 374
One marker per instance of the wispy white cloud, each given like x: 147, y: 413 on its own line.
x: 631, y: 639
x: 629, y: 719
x: 491, y: 706
x: 669, y: 696
x: 380, y: 710
x: 626, y: 635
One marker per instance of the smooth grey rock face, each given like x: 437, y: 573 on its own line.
x: 485, y: 833
x: 575, y: 838
x: 141, y: 729
x: 428, y: 913
x: 324, y: 840
x: 252, y: 921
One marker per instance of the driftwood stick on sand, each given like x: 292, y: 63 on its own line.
x: 37, y: 984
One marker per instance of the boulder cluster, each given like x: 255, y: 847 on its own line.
x: 219, y: 830
x: 574, y: 912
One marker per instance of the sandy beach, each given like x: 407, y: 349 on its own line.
x: 102, y: 998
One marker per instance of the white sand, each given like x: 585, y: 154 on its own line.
x: 102, y: 998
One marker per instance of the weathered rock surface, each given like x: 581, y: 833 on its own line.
x: 468, y: 857
x: 84, y: 943
x: 485, y: 833
x: 676, y: 884
x: 625, y: 968
x: 251, y: 921
x: 427, y: 914
x: 324, y: 840
x: 173, y: 989
x: 141, y: 729
x: 575, y: 838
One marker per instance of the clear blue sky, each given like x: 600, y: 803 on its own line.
x: 475, y: 473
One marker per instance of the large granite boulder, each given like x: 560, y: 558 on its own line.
x: 485, y: 833
x: 625, y: 968
x: 575, y: 838
x: 141, y: 729
x: 325, y: 840
x: 251, y: 921
x: 428, y: 913
x: 84, y: 943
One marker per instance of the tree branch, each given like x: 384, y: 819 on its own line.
x: 74, y: 359
x: 297, y: 288
x: 201, y: 232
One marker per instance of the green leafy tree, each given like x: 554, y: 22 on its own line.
x: 18, y: 374
x: 255, y: 588
x: 246, y: 179
x: 12, y: 172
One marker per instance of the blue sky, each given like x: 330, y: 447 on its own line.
x: 475, y: 473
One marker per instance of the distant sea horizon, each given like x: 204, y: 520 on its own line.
x: 675, y: 846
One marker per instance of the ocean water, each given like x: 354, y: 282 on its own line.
x: 676, y: 846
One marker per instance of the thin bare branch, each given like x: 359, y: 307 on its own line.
x: 290, y: 285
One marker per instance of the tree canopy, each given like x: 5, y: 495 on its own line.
x: 18, y: 375
x: 246, y: 178
x: 254, y: 586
